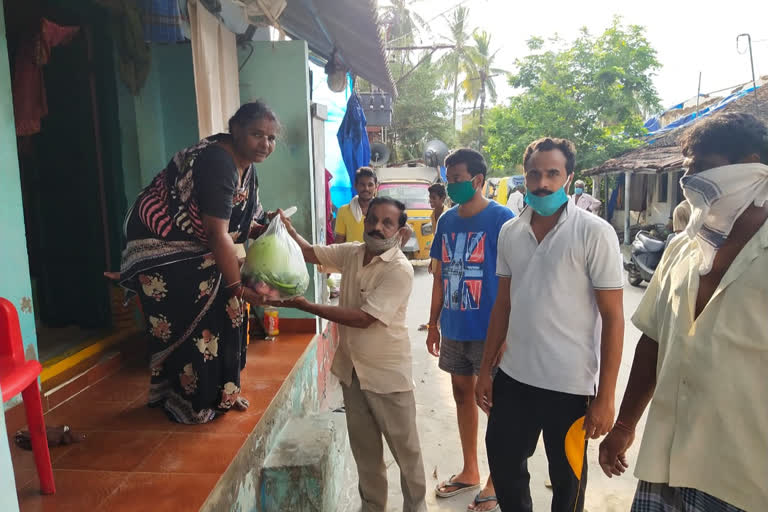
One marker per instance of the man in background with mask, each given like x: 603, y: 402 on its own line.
x: 463, y: 291
x: 559, y: 311
x: 584, y: 200
x: 373, y: 360
x: 701, y: 361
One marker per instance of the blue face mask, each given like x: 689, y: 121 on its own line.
x: 578, y: 191
x: 547, y: 205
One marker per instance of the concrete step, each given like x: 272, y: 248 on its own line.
x: 304, y: 472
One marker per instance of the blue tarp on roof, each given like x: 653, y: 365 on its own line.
x: 691, y: 118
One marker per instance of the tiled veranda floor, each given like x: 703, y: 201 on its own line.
x: 133, y: 458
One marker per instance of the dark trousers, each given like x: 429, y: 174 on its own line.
x: 519, y: 415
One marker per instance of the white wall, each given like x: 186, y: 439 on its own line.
x: 657, y: 212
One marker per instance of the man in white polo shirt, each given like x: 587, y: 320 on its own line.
x: 562, y: 321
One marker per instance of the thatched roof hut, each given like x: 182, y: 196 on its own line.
x: 663, y: 153
x: 649, y: 173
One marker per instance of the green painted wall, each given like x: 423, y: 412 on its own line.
x: 278, y: 73
x: 161, y: 120
x: 14, y: 271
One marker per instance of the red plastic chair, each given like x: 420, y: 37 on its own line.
x: 20, y: 376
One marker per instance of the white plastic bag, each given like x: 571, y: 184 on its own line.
x: 274, y: 265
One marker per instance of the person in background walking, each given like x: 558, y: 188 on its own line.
x: 701, y: 359
x: 561, y: 321
x: 463, y: 291
x: 516, y: 200
x: 350, y: 219
x: 584, y: 200
x: 437, y: 198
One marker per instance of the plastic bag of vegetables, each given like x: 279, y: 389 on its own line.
x: 274, y: 266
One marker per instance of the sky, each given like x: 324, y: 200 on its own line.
x: 688, y: 37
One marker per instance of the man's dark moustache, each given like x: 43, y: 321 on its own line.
x: 376, y: 234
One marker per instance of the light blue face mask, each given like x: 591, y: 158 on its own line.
x: 578, y: 191
x: 547, y: 205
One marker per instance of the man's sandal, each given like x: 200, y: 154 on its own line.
x: 461, y: 487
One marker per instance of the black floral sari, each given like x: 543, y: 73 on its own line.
x: 197, y: 330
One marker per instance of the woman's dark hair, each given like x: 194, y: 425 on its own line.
x: 472, y: 159
x: 250, y: 112
x: 734, y: 135
x: 438, y: 189
x: 394, y: 202
x: 365, y: 172
x: 565, y: 146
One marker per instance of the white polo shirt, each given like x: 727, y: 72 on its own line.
x: 553, y: 341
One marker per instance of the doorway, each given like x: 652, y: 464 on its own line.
x: 63, y: 180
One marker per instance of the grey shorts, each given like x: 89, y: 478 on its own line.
x: 461, y: 357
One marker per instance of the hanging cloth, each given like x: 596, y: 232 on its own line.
x: 30, y: 105
x: 329, y: 236
x: 353, y: 139
x: 162, y: 21
x: 214, y: 56
x: 134, y: 54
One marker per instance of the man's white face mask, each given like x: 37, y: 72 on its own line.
x: 718, y: 196
x: 381, y: 245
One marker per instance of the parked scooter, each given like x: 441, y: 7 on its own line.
x: 646, y: 255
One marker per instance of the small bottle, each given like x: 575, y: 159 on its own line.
x: 271, y: 322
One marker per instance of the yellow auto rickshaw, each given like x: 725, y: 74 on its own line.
x: 410, y: 185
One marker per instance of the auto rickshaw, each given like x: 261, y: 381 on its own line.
x: 410, y: 185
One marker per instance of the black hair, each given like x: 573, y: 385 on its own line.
x: 438, y: 189
x: 472, y: 159
x: 734, y: 135
x: 365, y: 172
x: 250, y: 112
x: 394, y: 202
x: 565, y: 146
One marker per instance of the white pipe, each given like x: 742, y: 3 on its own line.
x: 627, y: 181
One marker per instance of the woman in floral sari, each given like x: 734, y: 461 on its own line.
x: 181, y: 261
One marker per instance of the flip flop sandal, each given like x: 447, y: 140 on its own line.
x: 478, y: 500
x: 57, y: 436
x: 461, y: 487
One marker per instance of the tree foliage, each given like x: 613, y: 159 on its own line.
x: 421, y: 112
x: 593, y: 91
x: 455, y: 63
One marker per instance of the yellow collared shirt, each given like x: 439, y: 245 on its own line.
x: 347, y: 226
x: 707, y: 425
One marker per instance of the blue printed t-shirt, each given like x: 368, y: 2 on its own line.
x: 466, y: 248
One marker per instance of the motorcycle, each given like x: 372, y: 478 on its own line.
x: 645, y: 257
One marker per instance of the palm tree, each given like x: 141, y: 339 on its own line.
x: 456, y: 61
x: 402, y: 26
x: 479, y: 82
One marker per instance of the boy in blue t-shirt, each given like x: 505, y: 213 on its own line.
x: 463, y: 292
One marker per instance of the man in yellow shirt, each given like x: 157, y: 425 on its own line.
x: 350, y: 218
x: 702, y: 357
